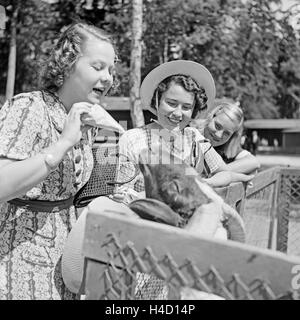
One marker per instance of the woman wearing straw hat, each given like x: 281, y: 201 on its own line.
x: 175, y: 92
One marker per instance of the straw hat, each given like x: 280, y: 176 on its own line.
x: 183, y: 67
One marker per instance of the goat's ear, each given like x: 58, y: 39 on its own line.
x: 155, y: 210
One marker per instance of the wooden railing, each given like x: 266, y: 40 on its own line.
x: 256, y: 203
x: 269, y: 204
x: 139, y: 259
x: 270, y: 207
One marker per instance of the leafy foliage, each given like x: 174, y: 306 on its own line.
x: 250, y: 47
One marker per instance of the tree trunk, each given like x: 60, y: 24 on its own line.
x: 12, y: 59
x: 166, y: 47
x: 136, y: 111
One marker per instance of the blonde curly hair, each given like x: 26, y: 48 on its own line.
x: 66, y: 52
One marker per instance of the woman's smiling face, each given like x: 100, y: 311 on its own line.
x: 219, y: 129
x: 176, y: 107
x: 92, y: 76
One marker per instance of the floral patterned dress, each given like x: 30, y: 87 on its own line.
x: 32, y: 240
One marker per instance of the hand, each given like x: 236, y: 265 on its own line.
x: 73, y: 128
x: 127, y: 195
x: 240, y: 177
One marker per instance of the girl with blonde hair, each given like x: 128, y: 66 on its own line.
x: 223, y: 128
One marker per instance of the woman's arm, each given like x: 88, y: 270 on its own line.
x: 246, y: 164
x: 222, y: 175
x: 19, y: 176
x: 225, y: 178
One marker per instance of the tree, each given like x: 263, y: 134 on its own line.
x: 287, y: 69
x: 11, y: 73
x: 241, y: 43
x: 250, y: 48
x: 135, y: 64
x: 32, y: 31
x: 237, y: 42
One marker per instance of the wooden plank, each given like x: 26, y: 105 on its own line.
x: 236, y: 191
x: 232, y: 194
x: 259, y: 215
x: 95, y: 288
x: 294, y: 230
x: 226, y: 256
x: 262, y: 180
x: 294, y: 237
x: 293, y: 171
x: 288, y: 238
x: 283, y: 203
x: 257, y: 223
x: 273, y: 212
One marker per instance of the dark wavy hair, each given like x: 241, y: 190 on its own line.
x: 66, y: 52
x: 189, y: 84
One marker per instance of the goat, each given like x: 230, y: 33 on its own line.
x: 176, y: 195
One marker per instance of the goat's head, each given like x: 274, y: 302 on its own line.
x: 175, y: 183
x: 174, y: 191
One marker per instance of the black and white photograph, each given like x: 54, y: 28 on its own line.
x: 149, y: 150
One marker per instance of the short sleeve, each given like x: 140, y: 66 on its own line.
x: 21, y: 121
x: 243, y: 153
x: 211, y: 157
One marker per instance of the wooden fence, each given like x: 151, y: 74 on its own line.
x: 270, y: 207
x: 139, y: 259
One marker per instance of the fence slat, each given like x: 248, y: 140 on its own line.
x: 122, y: 252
